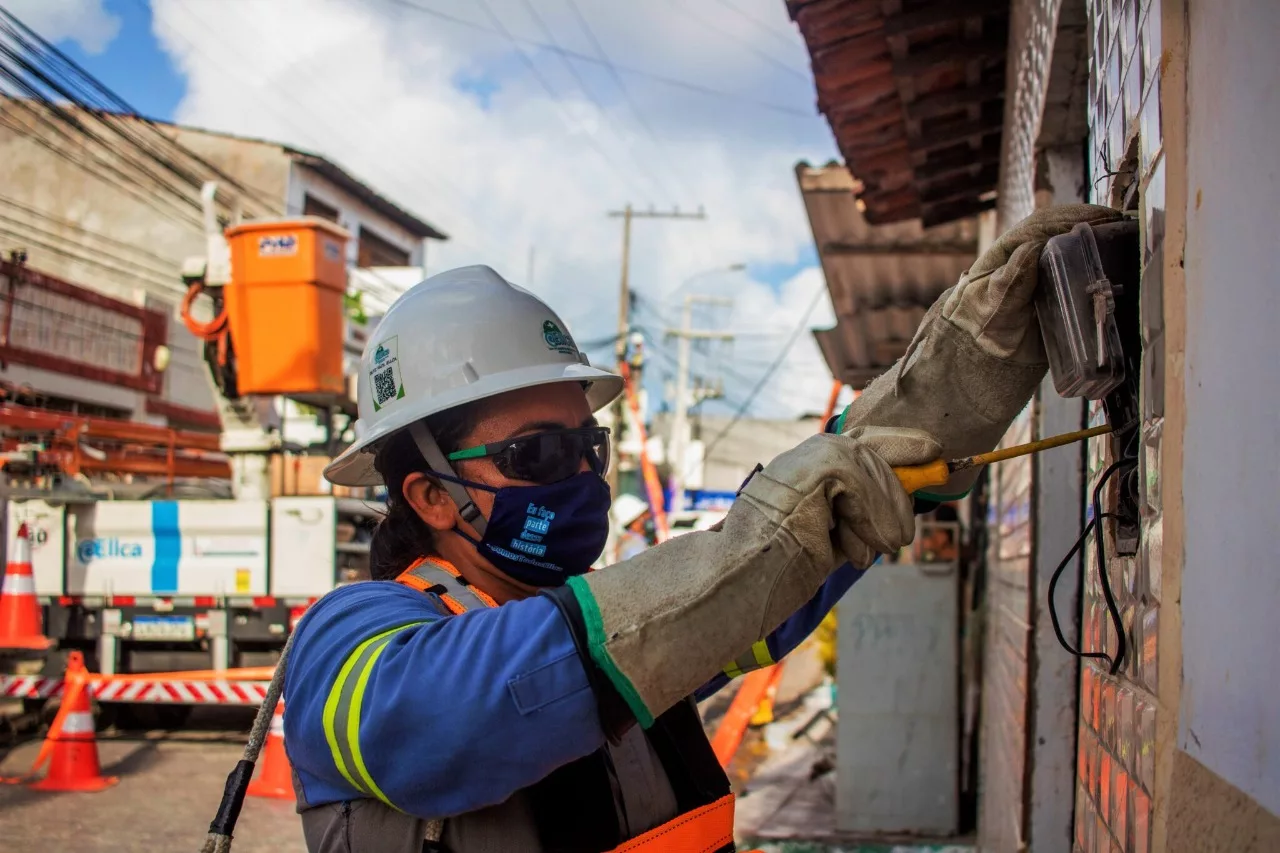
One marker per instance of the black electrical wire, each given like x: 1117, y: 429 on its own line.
x: 1095, y: 526
x: 586, y: 90
x: 742, y: 42
x: 43, y: 76
x: 113, y: 111
x: 542, y: 81
x: 669, y: 81
x: 626, y: 93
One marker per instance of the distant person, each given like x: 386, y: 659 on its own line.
x: 938, y: 544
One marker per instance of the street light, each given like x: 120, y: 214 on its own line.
x: 738, y: 267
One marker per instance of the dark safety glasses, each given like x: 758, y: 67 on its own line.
x: 545, y: 457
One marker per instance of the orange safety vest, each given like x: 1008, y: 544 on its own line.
x: 708, y: 829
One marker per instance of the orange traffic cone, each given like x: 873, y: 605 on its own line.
x: 20, y: 622
x: 73, y: 757
x: 276, y: 778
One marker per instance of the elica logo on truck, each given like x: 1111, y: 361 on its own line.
x: 88, y: 550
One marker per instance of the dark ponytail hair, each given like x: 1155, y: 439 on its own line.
x: 401, y: 537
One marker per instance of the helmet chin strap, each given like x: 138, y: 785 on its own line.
x: 436, y: 461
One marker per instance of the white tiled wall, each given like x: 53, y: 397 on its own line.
x: 1116, y: 750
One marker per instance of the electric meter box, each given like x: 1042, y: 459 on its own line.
x: 1076, y: 304
x: 285, y: 306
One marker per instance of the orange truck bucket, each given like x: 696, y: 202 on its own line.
x: 285, y: 305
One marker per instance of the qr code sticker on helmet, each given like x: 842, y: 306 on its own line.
x: 384, y: 385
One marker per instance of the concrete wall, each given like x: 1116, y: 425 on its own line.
x: 352, y: 214
x: 1229, y: 714
x: 260, y: 166
x: 897, y: 737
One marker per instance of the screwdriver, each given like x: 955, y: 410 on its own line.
x: 936, y: 473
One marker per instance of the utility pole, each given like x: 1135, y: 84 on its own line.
x: 627, y: 214
x: 680, y: 423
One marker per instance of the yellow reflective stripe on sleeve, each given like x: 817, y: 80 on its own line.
x: 341, y: 726
x: 758, y: 657
x: 353, y: 720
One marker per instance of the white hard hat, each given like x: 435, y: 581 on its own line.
x: 627, y: 508
x: 457, y: 337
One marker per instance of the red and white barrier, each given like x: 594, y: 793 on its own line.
x: 123, y: 689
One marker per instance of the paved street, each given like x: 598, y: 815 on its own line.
x: 171, y: 782
x: 169, y: 788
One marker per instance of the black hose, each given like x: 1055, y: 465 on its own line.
x: 223, y: 825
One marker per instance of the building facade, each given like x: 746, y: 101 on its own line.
x: 82, y: 210
x: 1173, y: 751
x: 1163, y: 109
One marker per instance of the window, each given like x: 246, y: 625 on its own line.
x: 377, y: 252
x: 312, y: 206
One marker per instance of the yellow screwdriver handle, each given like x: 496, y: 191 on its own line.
x: 916, y: 477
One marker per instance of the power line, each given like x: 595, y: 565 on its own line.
x: 586, y: 90
x: 168, y: 263
x: 79, y: 118
x: 543, y: 82
x: 772, y: 60
x: 87, y: 84
x: 622, y: 85
x: 768, y: 374
x: 105, y: 170
x: 787, y: 40
x: 142, y: 271
x: 670, y: 81
x: 26, y: 240
x: 231, y: 47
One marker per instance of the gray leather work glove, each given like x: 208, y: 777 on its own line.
x: 977, y: 357
x: 664, y: 622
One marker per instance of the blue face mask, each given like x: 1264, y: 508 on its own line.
x: 543, y: 535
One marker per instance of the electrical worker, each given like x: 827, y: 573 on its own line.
x: 630, y: 517
x: 486, y: 692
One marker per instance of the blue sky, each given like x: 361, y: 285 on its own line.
x: 134, y: 66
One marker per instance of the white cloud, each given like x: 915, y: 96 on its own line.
x: 765, y: 322
x: 86, y: 22
x: 501, y: 165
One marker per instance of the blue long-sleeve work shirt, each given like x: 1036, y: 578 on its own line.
x: 436, y: 715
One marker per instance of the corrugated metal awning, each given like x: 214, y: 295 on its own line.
x: 882, y: 278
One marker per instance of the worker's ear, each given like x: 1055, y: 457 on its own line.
x: 430, y: 501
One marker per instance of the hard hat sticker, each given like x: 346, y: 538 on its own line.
x: 384, y: 374
x: 558, y: 340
